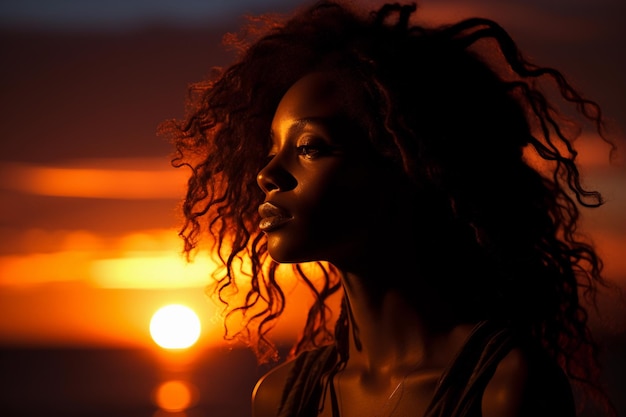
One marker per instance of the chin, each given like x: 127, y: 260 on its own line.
x: 287, y: 251
x: 283, y: 253
x: 288, y: 256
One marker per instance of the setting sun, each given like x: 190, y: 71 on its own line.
x: 175, y: 326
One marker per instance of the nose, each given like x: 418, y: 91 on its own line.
x: 275, y: 177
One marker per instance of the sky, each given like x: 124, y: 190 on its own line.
x: 88, y: 211
x: 117, y: 14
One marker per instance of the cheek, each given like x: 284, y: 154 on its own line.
x: 338, y: 207
x: 335, y: 214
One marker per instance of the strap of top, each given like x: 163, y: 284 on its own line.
x: 460, y: 389
x: 303, y: 390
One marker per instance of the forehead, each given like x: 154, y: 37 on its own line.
x: 317, y: 95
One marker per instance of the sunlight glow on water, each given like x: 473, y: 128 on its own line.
x: 175, y: 395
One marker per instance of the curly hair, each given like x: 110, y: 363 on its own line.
x: 457, y: 109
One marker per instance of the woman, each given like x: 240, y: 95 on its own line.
x: 431, y: 184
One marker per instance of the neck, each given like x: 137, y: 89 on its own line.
x: 396, y: 333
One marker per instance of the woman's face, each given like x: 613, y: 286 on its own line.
x: 324, y: 190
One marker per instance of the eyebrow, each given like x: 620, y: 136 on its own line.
x: 300, y: 124
x: 321, y: 121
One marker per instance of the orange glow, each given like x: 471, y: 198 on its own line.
x: 175, y: 395
x: 143, y: 181
x: 145, y: 270
x: 27, y: 270
x: 148, y: 259
x: 175, y: 326
x: 165, y: 271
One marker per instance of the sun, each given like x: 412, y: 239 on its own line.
x: 175, y: 326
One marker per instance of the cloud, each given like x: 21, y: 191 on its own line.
x: 140, y: 260
x: 138, y: 179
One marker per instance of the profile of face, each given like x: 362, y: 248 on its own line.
x: 326, y: 194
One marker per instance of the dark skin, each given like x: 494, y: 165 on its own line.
x: 335, y: 205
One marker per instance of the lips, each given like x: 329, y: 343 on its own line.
x: 272, y: 217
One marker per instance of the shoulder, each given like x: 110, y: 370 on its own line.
x: 268, y: 391
x: 527, y: 383
x: 302, y: 374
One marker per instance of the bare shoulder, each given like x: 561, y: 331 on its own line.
x: 504, y: 394
x: 525, y: 384
x: 268, y: 391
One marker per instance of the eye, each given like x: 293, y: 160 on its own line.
x: 309, y: 151
x: 310, y: 148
